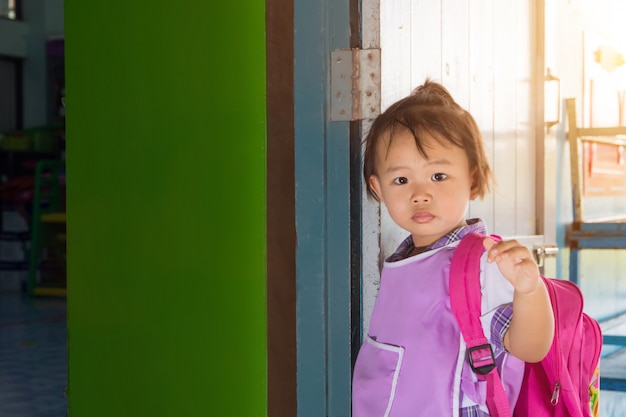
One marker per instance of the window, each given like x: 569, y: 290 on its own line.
x: 10, y: 94
x: 10, y: 9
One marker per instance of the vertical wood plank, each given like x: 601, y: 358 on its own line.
x: 395, y: 41
x: 322, y: 172
x: 455, y: 49
x: 425, y: 41
x: 481, y: 65
x: 505, y: 100
x: 370, y: 209
x: 525, y: 138
x: 281, y: 233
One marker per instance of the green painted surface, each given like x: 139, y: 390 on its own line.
x: 166, y: 208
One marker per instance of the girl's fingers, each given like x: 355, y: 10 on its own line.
x: 510, y: 248
x: 488, y: 243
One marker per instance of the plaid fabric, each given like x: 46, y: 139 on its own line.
x: 500, y: 323
x: 406, y: 247
x: 474, y: 411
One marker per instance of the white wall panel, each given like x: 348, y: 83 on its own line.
x: 395, y: 44
x: 481, y: 86
x: 482, y: 51
x: 425, y: 41
x: 504, y: 95
x: 455, y: 49
x: 525, y: 222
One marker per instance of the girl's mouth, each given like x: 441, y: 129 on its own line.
x: 422, y: 217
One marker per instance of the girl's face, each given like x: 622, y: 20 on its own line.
x: 427, y: 197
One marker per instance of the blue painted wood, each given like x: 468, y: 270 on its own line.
x: 599, y: 235
x: 339, y: 371
x: 574, y: 265
x: 613, y: 360
x: 322, y: 216
x: 612, y: 384
x: 613, y: 371
x: 593, y: 235
x: 618, y: 227
x: 614, y: 340
x: 599, y: 241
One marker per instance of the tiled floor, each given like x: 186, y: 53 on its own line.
x: 33, y: 359
x: 33, y: 356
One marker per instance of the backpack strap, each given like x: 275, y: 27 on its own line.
x: 465, y: 298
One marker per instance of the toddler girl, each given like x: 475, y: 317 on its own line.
x: 424, y: 160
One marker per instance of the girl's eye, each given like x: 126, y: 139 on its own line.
x: 438, y: 177
x: 400, y: 180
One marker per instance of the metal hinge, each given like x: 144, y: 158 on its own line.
x: 354, y: 84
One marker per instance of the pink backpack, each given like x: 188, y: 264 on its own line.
x: 566, y: 381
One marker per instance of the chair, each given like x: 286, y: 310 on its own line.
x: 16, y: 196
x: 583, y: 233
x: 47, y: 267
x: 599, y: 233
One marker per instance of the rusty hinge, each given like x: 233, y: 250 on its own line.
x: 354, y: 84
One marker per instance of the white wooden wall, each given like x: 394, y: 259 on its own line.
x: 483, y: 52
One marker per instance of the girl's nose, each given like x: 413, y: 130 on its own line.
x: 421, y: 195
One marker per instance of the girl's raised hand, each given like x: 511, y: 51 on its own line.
x: 515, y: 262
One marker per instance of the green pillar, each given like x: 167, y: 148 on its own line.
x: 166, y: 208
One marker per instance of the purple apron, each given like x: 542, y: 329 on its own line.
x: 409, y: 364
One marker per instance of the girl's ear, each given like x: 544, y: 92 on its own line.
x: 374, y: 184
x: 474, y: 191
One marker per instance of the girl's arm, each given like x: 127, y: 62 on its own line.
x: 532, y: 326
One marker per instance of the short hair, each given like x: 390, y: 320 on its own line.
x: 431, y: 113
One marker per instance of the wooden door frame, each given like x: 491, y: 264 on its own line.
x: 322, y: 155
x: 322, y: 216
x: 542, y: 227
x: 281, y: 233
